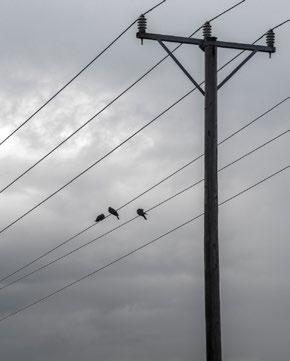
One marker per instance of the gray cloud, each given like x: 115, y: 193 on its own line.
x: 150, y: 307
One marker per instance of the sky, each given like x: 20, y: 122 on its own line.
x: 149, y: 306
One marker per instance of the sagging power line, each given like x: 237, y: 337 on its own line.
x: 227, y: 138
x: 145, y: 245
x: 114, y: 100
x: 142, y: 213
x: 103, y: 157
x: 76, y: 75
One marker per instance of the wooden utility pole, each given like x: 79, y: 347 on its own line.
x: 211, y: 246
x: 210, y: 47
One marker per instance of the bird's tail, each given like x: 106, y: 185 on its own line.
x: 144, y: 216
x: 118, y: 216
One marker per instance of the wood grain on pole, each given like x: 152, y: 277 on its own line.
x: 211, y: 248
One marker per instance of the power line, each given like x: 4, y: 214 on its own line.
x: 148, y: 210
x: 146, y: 191
x: 255, y: 185
x: 281, y: 24
x: 226, y: 11
x: 145, y: 245
x: 100, y: 159
x: 76, y: 75
x: 92, y: 165
x: 154, y: 7
x: 104, y: 108
x: 254, y: 120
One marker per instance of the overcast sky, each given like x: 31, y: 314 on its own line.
x: 151, y: 306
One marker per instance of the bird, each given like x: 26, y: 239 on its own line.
x: 113, y: 212
x: 141, y: 213
x: 100, y: 218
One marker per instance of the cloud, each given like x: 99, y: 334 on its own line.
x: 152, y: 305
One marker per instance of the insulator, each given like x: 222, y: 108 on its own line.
x: 206, y: 30
x: 142, y: 24
x: 270, y: 38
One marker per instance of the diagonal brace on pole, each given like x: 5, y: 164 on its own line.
x: 237, y: 69
x: 181, y: 66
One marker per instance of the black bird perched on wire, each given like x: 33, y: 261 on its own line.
x: 100, y: 218
x: 113, y: 212
x: 141, y: 213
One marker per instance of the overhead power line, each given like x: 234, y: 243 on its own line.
x: 102, y: 158
x: 226, y: 11
x: 76, y: 76
x: 254, y: 120
x: 146, y: 191
x: 147, y: 211
x: 145, y: 245
x: 105, y: 107
x: 154, y: 7
x: 92, y: 165
x: 281, y: 24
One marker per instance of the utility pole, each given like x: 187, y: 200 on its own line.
x: 211, y: 251
x: 210, y: 47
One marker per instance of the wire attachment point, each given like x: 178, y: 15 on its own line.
x: 270, y: 39
x: 206, y: 30
x: 142, y: 25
